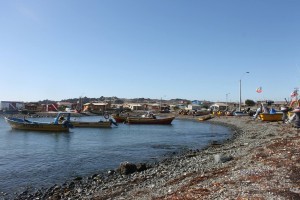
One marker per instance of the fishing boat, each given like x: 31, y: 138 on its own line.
x: 240, y: 113
x: 205, y: 117
x: 146, y: 120
x: 270, y: 117
x: 60, y: 124
x: 119, y: 118
x: 99, y: 124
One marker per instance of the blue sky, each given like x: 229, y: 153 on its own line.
x: 152, y: 49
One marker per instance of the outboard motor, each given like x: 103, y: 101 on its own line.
x: 284, y: 114
x: 67, y: 124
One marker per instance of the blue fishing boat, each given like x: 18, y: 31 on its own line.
x: 61, y: 123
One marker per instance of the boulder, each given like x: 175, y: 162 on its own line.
x: 126, y: 168
x: 141, y: 167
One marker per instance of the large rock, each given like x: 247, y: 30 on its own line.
x: 141, y: 167
x: 127, y: 168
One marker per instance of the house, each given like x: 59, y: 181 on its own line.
x: 196, y: 102
x: 154, y: 106
x: 194, y: 107
x: 181, y: 106
x: 275, y: 104
x: 33, y: 107
x: 117, y: 106
x: 11, y: 105
x: 219, y: 107
x: 135, y: 106
x: 62, y: 105
x: 52, y: 107
x: 96, y: 106
x: 280, y: 103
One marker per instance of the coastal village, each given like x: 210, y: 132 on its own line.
x: 113, y: 105
x: 178, y: 129
x: 259, y: 161
x: 101, y: 106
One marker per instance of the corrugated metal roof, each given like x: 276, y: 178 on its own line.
x: 220, y: 104
x: 100, y: 104
x: 134, y: 104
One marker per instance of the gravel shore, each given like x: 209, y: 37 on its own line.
x: 261, y: 161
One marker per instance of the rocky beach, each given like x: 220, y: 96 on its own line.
x: 260, y: 161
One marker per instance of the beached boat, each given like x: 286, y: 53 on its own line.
x: 270, y: 117
x: 240, y: 113
x: 61, y: 123
x: 146, y: 120
x: 205, y: 117
x: 99, y: 124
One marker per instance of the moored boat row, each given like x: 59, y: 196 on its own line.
x: 62, y: 122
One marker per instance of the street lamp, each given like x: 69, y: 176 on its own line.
x: 161, y: 102
x: 241, y: 90
x: 227, y: 102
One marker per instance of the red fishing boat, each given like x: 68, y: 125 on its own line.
x: 145, y: 120
x: 119, y: 118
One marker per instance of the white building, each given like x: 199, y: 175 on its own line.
x: 134, y: 106
x: 219, y: 107
x: 11, y: 105
x: 181, y: 106
x: 194, y: 107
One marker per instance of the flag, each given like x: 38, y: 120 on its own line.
x: 259, y: 90
x: 294, y: 93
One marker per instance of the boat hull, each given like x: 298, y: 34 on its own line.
x: 119, y: 119
x: 32, y: 126
x: 205, y: 117
x: 270, y: 117
x: 91, y: 124
x: 238, y: 113
x: 141, y: 120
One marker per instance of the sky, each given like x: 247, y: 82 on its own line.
x: 195, y: 49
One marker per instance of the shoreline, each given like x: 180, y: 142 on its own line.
x: 241, y: 167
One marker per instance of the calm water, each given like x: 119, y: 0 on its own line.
x: 38, y: 159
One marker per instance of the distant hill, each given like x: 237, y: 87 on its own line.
x: 116, y: 100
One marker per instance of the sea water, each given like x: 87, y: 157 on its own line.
x: 41, y: 159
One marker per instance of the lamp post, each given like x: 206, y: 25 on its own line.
x: 241, y: 91
x: 227, y: 101
x: 161, y: 102
x: 227, y: 98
